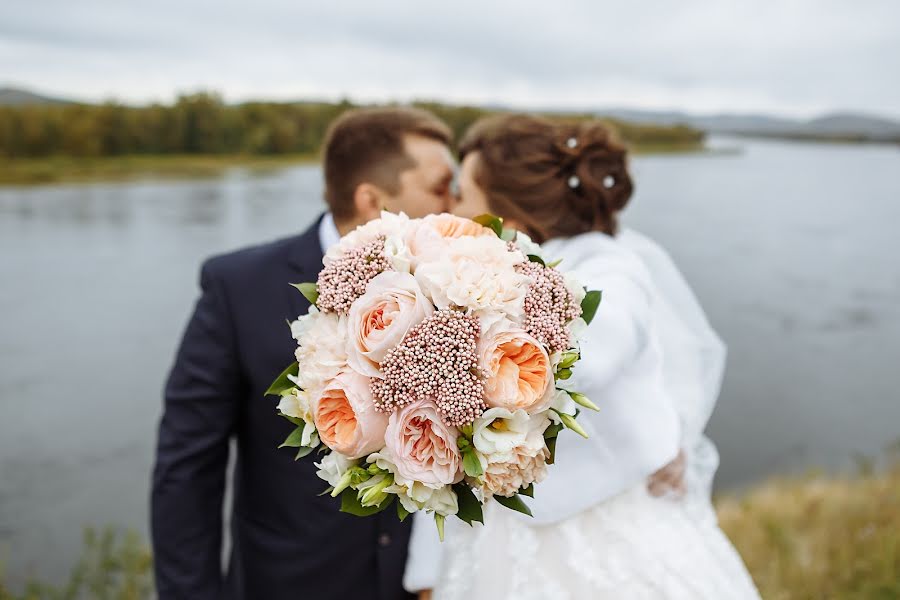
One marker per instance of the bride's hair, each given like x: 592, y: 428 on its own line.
x: 556, y: 179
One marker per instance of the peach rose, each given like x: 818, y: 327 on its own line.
x: 346, y: 418
x: 429, y: 238
x: 518, y: 372
x: 380, y: 318
x: 422, y: 447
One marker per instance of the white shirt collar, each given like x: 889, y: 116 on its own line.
x: 328, y: 232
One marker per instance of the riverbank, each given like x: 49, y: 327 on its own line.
x: 811, y: 537
x: 67, y: 169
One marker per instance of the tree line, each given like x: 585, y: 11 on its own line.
x: 203, y: 124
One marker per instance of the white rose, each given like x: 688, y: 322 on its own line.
x: 477, y: 273
x: 321, y: 352
x: 333, y: 467
x: 500, y: 434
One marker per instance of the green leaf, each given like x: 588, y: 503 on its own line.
x: 309, y: 290
x: 589, y: 305
x: 491, y: 222
x: 551, y: 448
x: 470, y: 509
x: 294, y: 439
x: 350, y: 504
x: 471, y: 464
x: 402, y: 513
x: 528, y: 490
x: 550, y: 435
x: 514, y: 503
x: 294, y: 420
x: 303, y: 451
x: 582, y: 400
x: 537, y: 259
x: 282, y: 383
x: 508, y: 235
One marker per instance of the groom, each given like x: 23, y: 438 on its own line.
x: 287, y: 541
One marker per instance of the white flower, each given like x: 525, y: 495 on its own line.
x: 574, y: 286
x: 321, y: 353
x: 296, y: 403
x: 563, y: 403
x: 415, y: 495
x: 477, y: 273
x: 390, y: 226
x: 500, y: 434
x: 333, y: 467
x: 397, y: 252
x: 527, y: 246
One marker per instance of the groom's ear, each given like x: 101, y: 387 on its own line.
x: 369, y: 201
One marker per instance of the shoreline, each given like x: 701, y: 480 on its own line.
x: 65, y: 169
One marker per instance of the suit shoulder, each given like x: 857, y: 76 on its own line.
x: 252, y: 259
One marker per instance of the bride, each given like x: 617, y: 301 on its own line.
x: 651, y: 363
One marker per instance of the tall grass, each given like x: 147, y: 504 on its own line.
x: 808, y: 538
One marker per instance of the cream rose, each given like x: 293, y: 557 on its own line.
x: 380, y: 318
x: 477, y: 273
x: 422, y: 446
x: 321, y: 351
x: 507, y: 478
x: 517, y: 368
x: 346, y: 418
x: 429, y: 238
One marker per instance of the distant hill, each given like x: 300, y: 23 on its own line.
x: 834, y: 125
x: 10, y: 96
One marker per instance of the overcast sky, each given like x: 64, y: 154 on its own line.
x: 791, y: 57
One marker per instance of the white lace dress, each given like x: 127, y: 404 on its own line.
x: 654, y: 366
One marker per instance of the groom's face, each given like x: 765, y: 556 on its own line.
x: 424, y: 188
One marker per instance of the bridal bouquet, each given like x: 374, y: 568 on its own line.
x: 429, y: 366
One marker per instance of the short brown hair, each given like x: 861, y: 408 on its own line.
x: 558, y: 179
x: 366, y: 146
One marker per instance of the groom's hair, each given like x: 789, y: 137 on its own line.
x: 366, y: 146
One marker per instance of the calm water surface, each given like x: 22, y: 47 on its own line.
x: 792, y: 248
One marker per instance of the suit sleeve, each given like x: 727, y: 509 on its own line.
x: 199, y: 418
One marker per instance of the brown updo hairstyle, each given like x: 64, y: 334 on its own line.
x: 526, y: 170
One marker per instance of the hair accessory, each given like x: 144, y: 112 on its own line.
x: 572, y: 142
x: 574, y: 182
x: 609, y: 181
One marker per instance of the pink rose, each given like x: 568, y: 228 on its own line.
x: 518, y: 372
x: 423, y: 448
x: 380, y: 318
x: 346, y: 418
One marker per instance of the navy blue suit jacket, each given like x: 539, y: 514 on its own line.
x: 287, y: 542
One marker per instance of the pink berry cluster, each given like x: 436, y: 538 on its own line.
x: 345, y: 279
x: 549, y: 306
x: 437, y: 359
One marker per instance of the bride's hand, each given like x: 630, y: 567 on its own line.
x: 425, y: 595
x: 669, y: 479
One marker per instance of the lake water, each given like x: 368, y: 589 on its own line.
x: 792, y: 248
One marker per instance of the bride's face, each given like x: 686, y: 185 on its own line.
x: 472, y: 199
